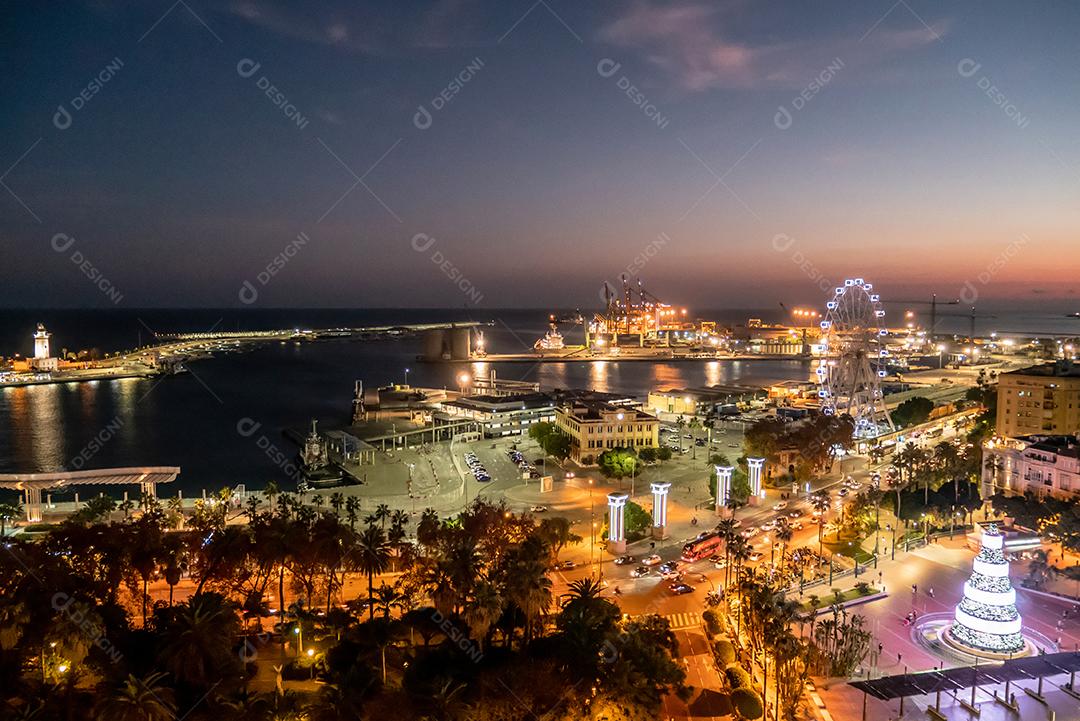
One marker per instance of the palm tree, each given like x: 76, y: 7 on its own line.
x: 337, y: 500
x: 695, y: 426
x: 8, y: 512
x: 783, y: 534
x: 372, y: 554
x: 528, y: 585
x: 428, y: 528
x: 399, y: 518
x: 318, y: 501
x: 483, y: 611
x: 382, y: 513
x: 352, y: 511
x: 583, y: 589
x: 138, y: 699
x: 386, y: 599
x: 197, y: 642
x: 174, y: 560
x: 270, y: 492
x: 821, y: 501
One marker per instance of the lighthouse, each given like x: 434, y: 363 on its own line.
x: 43, y: 361
x: 41, y: 342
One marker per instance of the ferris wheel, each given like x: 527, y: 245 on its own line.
x: 854, y: 358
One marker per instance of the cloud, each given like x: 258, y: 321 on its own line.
x: 686, y: 40
x: 367, y: 27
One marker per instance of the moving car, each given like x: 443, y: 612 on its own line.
x: 780, y: 506
x: 539, y: 509
x: 754, y: 556
x: 680, y: 588
x: 651, y: 560
x: 640, y: 571
x: 623, y: 560
x: 565, y: 565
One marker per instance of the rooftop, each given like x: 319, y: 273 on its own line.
x: 1059, y: 445
x: 1060, y: 369
x: 598, y: 411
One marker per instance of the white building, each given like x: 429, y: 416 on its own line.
x: 1044, y: 465
x: 43, y: 360
x: 41, y: 342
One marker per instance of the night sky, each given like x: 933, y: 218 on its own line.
x: 496, y: 154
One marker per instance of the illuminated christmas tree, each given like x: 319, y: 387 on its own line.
x: 986, y: 618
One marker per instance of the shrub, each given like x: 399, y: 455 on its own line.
x: 724, y: 651
x: 712, y: 624
x: 863, y: 588
x: 747, y: 702
x: 737, y: 677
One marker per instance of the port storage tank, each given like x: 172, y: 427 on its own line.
x: 460, y: 343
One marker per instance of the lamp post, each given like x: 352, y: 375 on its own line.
x: 406, y: 376
x: 892, y: 549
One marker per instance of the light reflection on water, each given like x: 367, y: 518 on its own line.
x: 178, y: 421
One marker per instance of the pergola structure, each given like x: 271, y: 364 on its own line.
x: 32, y: 484
x: 1028, y: 668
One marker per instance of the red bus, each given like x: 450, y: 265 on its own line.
x: 702, y: 547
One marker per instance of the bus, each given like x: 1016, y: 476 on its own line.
x: 705, y: 545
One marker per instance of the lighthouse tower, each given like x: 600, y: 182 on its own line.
x: 41, y: 342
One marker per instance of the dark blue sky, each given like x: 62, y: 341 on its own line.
x: 729, y: 153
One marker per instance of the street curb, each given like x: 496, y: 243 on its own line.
x: 854, y: 602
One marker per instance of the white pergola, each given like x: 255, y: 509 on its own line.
x: 32, y: 484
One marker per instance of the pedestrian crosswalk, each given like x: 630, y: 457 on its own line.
x: 682, y: 620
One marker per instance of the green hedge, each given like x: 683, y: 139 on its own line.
x: 724, y: 651
x: 712, y: 623
x: 747, y: 702
x: 737, y: 677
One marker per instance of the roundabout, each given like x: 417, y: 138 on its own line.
x: 985, y: 624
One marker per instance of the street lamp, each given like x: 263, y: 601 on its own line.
x: 406, y: 376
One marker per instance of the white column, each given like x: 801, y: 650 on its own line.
x: 33, y: 504
x: 659, y: 509
x: 757, y: 492
x: 616, y: 528
x: 723, y: 486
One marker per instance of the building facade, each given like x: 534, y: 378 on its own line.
x: 1044, y: 465
x: 1043, y: 400
x: 512, y: 414
x: 596, y: 427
